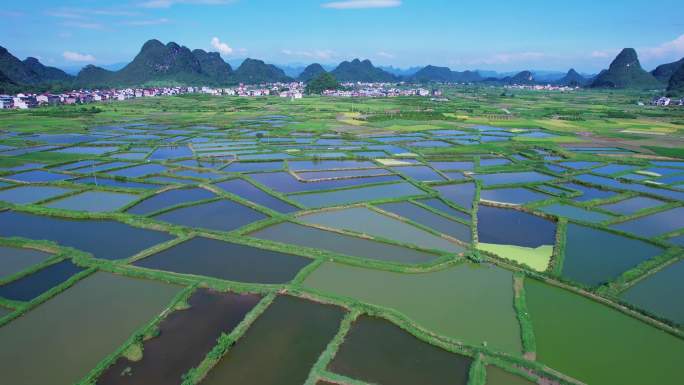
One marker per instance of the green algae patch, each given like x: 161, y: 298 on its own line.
x: 537, y: 258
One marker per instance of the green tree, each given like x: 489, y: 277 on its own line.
x: 322, y: 82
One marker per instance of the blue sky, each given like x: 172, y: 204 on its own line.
x: 498, y: 35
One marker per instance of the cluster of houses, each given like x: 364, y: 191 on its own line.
x: 378, y: 90
x: 26, y: 100
x: 663, y: 101
x: 294, y: 90
x: 22, y: 101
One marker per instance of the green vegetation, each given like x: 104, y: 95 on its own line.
x: 321, y: 82
x: 675, y: 86
x: 536, y: 258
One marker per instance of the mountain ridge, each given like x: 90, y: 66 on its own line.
x: 626, y: 72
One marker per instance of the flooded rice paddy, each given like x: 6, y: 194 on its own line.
x: 13, y: 260
x: 225, y: 260
x: 626, y: 352
x: 94, y: 201
x: 379, y: 352
x: 366, y: 221
x: 295, y: 234
x: 102, y: 238
x: 170, y: 198
x: 425, y: 240
x: 221, y: 215
x: 296, y: 332
x: 468, y: 302
x: 661, y: 293
x: 185, y: 337
x: 594, y: 257
x: 31, y: 286
x: 93, y: 318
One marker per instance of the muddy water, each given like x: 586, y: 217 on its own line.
x: 185, y: 337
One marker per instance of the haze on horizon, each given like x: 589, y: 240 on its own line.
x: 500, y: 36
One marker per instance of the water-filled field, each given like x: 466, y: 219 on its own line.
x: 566, y: 323
x: 92, y: 318
x: 467, y: 302
x: 377, y: 351
x: 180, y: 346
x: 342, y: 241
x: 296, y: 332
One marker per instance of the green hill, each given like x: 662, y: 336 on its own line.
x: 626, y: 72
x: 159, y: 63
x: 361, y: 71
x: 665, y: 71
x: 253, y: 71
x: 95, y: 77
x: 16, y: 70
x: 521, y: 78
x: 676, y: 84
x: 572, y: 79
x: 172, y: 64
x: 7, y: 86
x: 432, y: 73
x: 311, y: 72
x: 46, y: 74
x: 214, y: 67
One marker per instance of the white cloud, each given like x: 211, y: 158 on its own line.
x: 220, y: 46
x: 385, y: 55
x: 75, y: 56
x: 324, y: 54
x: 671, y: 49
x: 361, y: 4
x: 139, y: 23
x: 170, y: 3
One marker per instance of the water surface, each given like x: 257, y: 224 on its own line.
x: 281, y: 346
x: 429, y: 219
x: 654, y: 224
x: 594, y: 257
x: 252, y: 193
x: 661, y: 294
x: 102, y: 238
x: 22, y: 195
x: 93, y: 318
x: 14, y: 260
x: 379, y: 352
x: 222, y: 215
x: 31, y: 286
x: 94, y: 201
x: 170, y: 198
x: 513, y: 227
x: 471, y: 303
x: 224, y: 260
x: 356, y: 195
x: 294, y: 234
x: 185, y: 337
x: 599, y: 345
x: 366, y: 221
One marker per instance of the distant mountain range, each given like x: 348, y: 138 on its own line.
x: 173, y: 64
